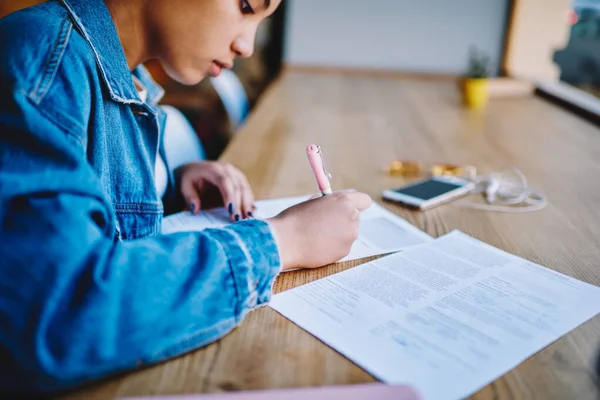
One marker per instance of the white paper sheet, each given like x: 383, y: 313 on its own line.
x: 381, y: 231
x: 446, y: 317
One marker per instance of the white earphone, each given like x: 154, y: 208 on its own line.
x: 506, y: 191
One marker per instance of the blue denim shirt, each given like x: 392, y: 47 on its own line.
x: 88, y: 287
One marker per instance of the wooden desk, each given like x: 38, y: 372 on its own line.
x: 363, y: 123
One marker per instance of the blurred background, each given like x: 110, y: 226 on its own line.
x: 579, y: 61
x: 524, y: 39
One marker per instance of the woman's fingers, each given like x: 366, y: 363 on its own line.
x: 224, y: 178
x: 231, y: 183
x: 246, y: 195
x: 191, y: 195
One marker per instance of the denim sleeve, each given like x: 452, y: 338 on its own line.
x: 76, y: 304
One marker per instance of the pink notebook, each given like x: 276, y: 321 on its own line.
x: 369, y: 391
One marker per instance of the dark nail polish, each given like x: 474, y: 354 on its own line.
x: 192, y: 207
x: 250, y: 214
x: 230, y: 208
x: 237, y: 217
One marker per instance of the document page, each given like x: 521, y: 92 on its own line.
x: 381, y: 231
x: 446, y: 317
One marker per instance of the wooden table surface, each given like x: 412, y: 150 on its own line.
x: 363, y: 123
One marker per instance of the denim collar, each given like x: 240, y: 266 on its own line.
x: 94, y: 22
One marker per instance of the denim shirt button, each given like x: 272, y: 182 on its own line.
x: 139, y: 363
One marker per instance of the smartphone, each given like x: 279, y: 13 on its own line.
x: 430, y: 193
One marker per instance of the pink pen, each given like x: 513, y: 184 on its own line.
x: 315, y: 159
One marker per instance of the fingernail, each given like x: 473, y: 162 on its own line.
x: 192, y: 207
x: 230, y: 208
x: 250, y: 214
x: 237, y: 217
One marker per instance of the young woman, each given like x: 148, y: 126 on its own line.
x: 88, y: 286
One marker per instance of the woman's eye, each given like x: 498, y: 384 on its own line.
x: 246, y: 7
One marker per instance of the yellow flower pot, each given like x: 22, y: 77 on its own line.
x: 476, y: 92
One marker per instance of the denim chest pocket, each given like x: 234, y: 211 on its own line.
x: 137, y: 221
x: 138, y: 208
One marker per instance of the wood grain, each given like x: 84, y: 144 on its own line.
x: 363, y: 123
x: 372, y: 72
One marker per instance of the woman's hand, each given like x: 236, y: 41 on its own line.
x: 319, y: 231
x: 196, y: 178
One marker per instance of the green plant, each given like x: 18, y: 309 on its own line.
x: 479, y: 64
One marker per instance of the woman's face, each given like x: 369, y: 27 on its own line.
x: 196, y: 38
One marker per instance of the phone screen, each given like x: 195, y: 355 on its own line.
x: 427, y: 190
